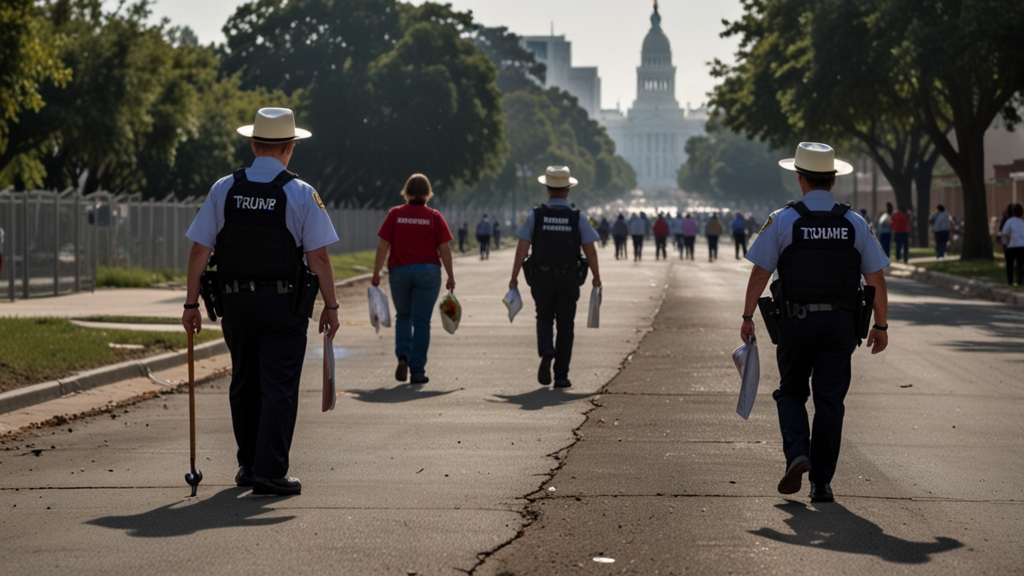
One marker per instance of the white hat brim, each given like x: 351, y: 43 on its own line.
x: 300, y: 134
x: 842, y: 168
x: 544, y: 180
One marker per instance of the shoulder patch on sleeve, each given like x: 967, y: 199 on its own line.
x: 319, y: 202
x: 767, y: 223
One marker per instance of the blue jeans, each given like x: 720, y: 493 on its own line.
x: 885, y: 239
x: 414, y: 290
x: 902, y: 245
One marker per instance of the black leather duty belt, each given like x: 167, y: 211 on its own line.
x: 235, y: 286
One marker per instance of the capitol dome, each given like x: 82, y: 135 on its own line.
x: 656, y: 42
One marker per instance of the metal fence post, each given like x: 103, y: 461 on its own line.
x: 56, y: 243
x: 24, y: 246
x: 12, y: 274
x: 76, y: 223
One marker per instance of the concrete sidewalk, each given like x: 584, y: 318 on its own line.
x: 395, y: 480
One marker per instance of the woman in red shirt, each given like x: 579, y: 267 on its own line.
x: 414, y: 240
x: 901, y: 233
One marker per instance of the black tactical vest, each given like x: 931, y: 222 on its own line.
x: 255, y: 243
x: 821, y: 266
x: 556, y: 237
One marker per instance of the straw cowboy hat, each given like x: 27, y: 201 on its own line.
x: 815, y: 159
x: 558, y: 177
x: 274, y: 126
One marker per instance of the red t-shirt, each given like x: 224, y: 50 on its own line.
x: 660, y: 227
x: 414, y: 232
x: 900, y: 222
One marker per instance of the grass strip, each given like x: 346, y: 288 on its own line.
x: 34, y: 350
x: 353, y: 264
x: 131, y: 320
x: 124, y: 277
x: 991, y: 270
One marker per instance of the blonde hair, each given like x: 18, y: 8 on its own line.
x: 417, y: 189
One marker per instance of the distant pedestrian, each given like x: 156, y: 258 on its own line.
x: 647, y: 225
x: 901, y: 233
x: 689, y: 235
x: 414, y: 241
x: 675, y: 230
x: 463, y: 234
x: 712, y: 231
x: 885, y: 229
x: 940, y: 222
x: 604, y: 229
x: 752, y: 226
x: 484, y: 229
x: 496, y: 234
x: 555, y: 233
x: 660, y: 228
x: 739, y: 234
x: 1, y: 251
x: 620, y: 230
x: 637, y: 230
x: 1013, y: 245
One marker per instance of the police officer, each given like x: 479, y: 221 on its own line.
x: 557, y: 232
x: 261, y: 221
x: 820, y: 250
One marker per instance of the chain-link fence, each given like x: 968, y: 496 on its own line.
x: 54, y: 242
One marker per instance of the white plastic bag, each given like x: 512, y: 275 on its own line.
x: 749, y: 365
x: 514, y: 302
x: 380, y: 314
x: 451, y: 312
x: 594, y: 318
x: 330, y: 388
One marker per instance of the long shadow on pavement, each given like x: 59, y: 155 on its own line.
x: 1004, y: 324
x: 397, y: 395
x: 541, y: 398
x: 835, y: 528
x: 223, y: 510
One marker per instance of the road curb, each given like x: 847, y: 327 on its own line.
x: 967, y: 286
x: 46, y: 391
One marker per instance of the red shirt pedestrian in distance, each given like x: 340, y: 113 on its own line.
x: 660, y: 228
x: 900, y: 222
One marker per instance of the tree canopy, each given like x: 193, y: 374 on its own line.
x: 890, y: 77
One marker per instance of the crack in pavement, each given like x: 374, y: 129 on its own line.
x: 529, y: 516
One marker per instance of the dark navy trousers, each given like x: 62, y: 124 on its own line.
x: 814, y: 354
x: 555, y: 296
x: 267, y: 344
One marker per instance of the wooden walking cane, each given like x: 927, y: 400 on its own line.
x: 194, y: 477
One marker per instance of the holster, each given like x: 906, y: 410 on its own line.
x: 210, y: 290
x: 529, y: 271
x: 303, y: 296
x: 771, y: 311
x: 582, y: 268
x: 865, y: 306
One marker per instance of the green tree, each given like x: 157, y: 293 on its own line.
x: 389, y: 89
x: 821, y: 71
x: 28, y: 61
x: 732, y: 167
x: 518, y: 68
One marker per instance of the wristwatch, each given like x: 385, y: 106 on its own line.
x: 745, y: 318
x: 882, y: 328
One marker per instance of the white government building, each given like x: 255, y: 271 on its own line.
x: 652, y: 135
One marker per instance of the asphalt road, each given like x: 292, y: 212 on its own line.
x: 667, y: 479
x: 662, y: 476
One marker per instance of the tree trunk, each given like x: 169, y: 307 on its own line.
x: 971, y: 170
x: 923, y: 179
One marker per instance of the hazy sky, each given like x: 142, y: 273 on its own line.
x: 604, y: 33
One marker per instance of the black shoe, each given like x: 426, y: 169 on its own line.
x: 544, y: 372
x: 790, y: 483
x: 244, y: 477
x: 286, y: 486
x: 821, y: 492
x: 402, y: 372
x: 562, y: 383
x: 419, y: 379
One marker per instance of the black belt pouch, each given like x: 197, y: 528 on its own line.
x: 865, y: 305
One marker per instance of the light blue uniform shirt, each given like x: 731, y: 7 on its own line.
x: 587, y: 232
x: 778, y: 234
x: 306, y: 220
